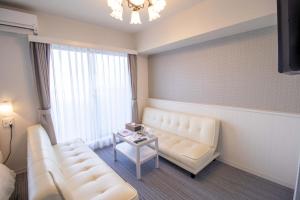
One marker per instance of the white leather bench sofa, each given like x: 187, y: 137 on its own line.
x: 186, y: 140
x: 70, y: 171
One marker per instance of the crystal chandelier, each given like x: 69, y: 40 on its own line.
x: 154, y: 8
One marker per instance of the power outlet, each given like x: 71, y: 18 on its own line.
x: 6, y: 122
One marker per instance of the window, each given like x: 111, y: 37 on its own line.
x: 90, y: 94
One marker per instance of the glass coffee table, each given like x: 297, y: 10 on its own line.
x: 139, y: 152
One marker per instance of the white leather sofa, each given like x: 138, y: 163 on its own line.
x: 70, y: 171
x: 186, y: 140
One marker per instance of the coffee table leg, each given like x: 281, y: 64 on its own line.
x: 157, y: 157
x: 114, y: 144
x: 138, y: 164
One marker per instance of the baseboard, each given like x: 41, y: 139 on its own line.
x: 251, y: 171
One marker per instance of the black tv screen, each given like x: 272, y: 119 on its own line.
x: 288, y: 12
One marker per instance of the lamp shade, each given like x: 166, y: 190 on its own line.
x: 135, y: 17
x: 137, y: 2
x: 153, y: 15
x: 6, y: 108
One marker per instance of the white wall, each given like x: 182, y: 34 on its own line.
x: 17, y: 84
x: 263, y: 143
x: 237, y: 71
x: 204, y: 17
x: 68, y: 29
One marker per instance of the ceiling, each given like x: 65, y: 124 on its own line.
x: 96, y: 11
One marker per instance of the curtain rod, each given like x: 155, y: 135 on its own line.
x: 34, y: 38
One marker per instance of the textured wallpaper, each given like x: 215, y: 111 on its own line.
x: 238, y: 71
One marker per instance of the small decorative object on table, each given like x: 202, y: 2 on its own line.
x: 133, y: 127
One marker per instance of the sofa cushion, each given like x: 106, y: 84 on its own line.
x: 184, y: 150
x: 88, y: 176
x: 40, y: 159
x: 42, y: 187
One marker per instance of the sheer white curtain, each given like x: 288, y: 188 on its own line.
x: 90, y: 94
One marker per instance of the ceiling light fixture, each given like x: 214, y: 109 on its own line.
x: 154, y: 8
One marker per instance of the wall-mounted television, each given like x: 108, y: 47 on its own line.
x: 288, y: 12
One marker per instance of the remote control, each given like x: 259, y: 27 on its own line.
x: 140, y: 140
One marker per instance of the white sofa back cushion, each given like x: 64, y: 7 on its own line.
x: 201, y: 129
x: 41, y: 159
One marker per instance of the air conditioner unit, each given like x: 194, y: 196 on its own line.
x: 11, y: 20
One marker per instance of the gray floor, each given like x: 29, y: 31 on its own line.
x: 216, y: 182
